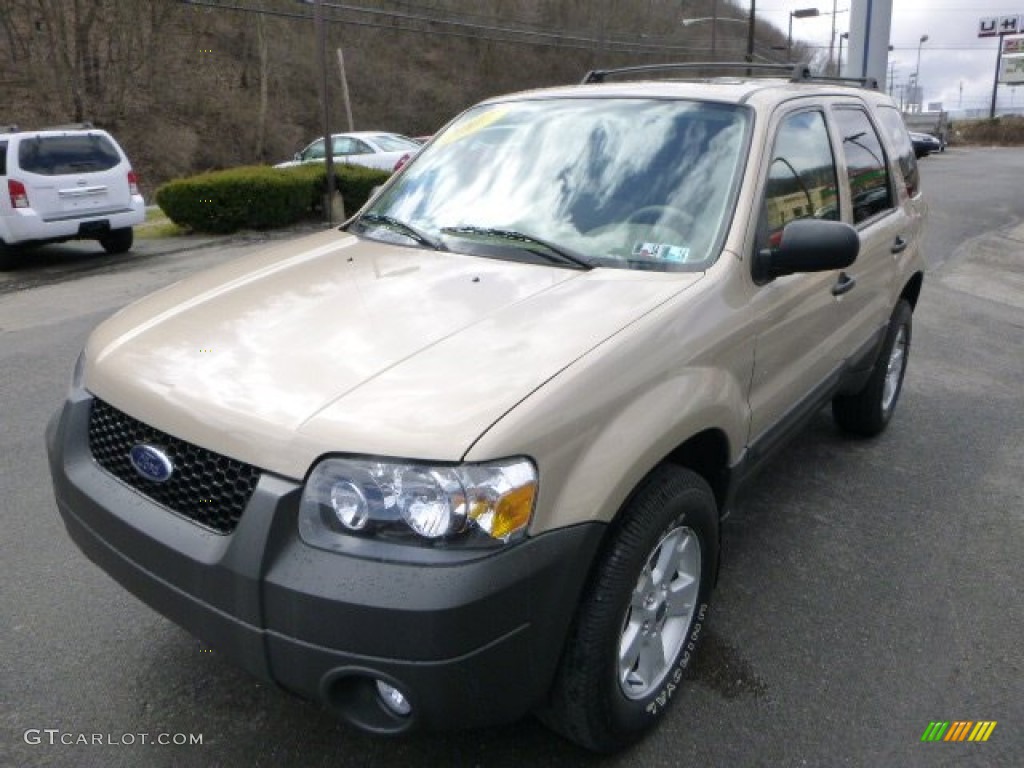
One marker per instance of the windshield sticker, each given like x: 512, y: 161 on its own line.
x: 662, y: 251
x: 472, y: 125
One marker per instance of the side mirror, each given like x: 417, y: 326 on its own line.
x: 297, y: 157
x: 808, y: 245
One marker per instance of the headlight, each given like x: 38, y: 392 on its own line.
x: 472, y: 504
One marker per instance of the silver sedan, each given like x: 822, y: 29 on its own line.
x: 384, y: 151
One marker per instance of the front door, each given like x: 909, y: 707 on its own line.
x: 798, y: 347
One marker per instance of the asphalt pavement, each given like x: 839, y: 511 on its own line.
x: 868, y: 587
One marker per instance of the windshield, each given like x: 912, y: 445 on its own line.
x: 63, y: 155
x: 627, y: 183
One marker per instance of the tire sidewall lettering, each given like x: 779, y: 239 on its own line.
x: 663, y: 696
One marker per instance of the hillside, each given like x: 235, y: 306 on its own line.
x: 189, y: 87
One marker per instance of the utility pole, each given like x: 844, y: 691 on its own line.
x: 714, y: 30
x: 832, y: 40
x: 750, y: 35
x: 344, y: 90
x: 321, y: 55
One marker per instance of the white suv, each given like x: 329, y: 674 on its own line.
x: 66, y: 184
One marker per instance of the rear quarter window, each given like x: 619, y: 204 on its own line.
x: 61, y: 155
x: 395, y: 143
x: 3, y: 158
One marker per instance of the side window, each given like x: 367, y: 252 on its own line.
x: 802, y: 177
x: 3, y: 158
x: 346, y: 146
x: 865, y: 162
x: 315, y: 151
x: 361, y: 147
x: 896, y: 131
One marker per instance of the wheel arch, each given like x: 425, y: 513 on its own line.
x: 912, y: 289
x: 707, y: 454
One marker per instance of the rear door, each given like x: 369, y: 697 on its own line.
x: 874, y: 210
x: 72, y: 175
x: 358, y: 152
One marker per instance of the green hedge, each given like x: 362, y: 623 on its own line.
x: 260, y: 197
x: 256, y: 197
x: 355, y: 183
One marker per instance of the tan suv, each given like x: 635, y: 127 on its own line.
x: 465, y: 458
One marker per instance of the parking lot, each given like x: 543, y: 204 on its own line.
x: 868, y: 587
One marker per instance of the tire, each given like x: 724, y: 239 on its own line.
x: 868, y: 412
x: 118, y: 240
x: 597, y: 701
x: 8, y: 255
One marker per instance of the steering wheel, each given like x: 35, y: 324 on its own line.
x: 676, y: 220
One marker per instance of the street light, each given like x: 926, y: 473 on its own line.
x: 802, y: 13
x: 691, y: 22
x: 917, y: 73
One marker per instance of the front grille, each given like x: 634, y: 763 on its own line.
x: 205, y: 487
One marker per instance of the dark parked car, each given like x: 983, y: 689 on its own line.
x: 925, y: 144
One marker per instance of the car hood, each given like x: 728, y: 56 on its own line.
x: 332, y: 344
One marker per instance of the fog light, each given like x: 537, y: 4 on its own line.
x: 394, y: 699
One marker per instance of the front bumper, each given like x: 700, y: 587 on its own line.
x: 470, y: 640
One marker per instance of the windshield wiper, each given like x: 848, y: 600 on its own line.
x: 552, y: 252
x: 403, y: 228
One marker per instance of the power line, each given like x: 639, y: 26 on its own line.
x: 463, y: 14
x: 549, y: 39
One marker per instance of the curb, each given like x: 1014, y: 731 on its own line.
x: 168, y: 246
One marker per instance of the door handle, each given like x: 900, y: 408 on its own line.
x: 899, y: 245
x: 843, y: 284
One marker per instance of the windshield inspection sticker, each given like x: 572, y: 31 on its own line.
x: 663, y: 251
x: 471, y: 126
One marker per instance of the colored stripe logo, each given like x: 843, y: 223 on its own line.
x: 959, y: 730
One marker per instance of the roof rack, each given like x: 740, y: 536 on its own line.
x: 83, y: 126
x: 797, y: 73
x: 599, y: 75
x: 865, y: 82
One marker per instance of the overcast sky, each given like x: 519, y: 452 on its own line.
x: 953, y: 54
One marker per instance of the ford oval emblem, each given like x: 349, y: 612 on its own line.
x: 151, y: 463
